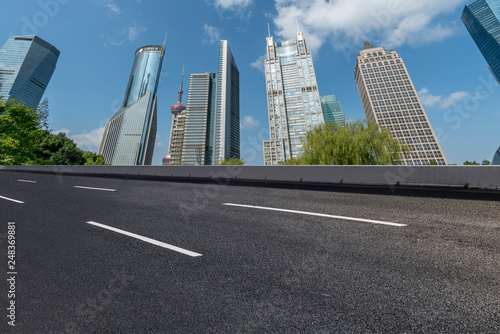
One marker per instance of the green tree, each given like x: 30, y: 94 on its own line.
x: 20, y: 129
x: 473, y: 163
x: 486, y: 162
x: 231, y: 162
x: 433, y: 163
x: 93, y: 159
x: 57, y: 149
x: 354, y: 143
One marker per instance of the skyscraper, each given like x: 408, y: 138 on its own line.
x: 200, y: 120
x: 389, y: 98
x: 332, y: 110
x: 496, y: 158
x: 482, y: 19
x: 226, y: 140
x: 130, y: 134
x: 26, y: 66
x: 209, y: 130
x: 293, y: 99
x: 193, y: 129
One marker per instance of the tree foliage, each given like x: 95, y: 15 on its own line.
x: 355, y: 143
x: 93, y: 159
x: 58, y: 149
x: 231, y: 162
x: 25, y: 139
x: 473, y: 163
x: 19, y: 131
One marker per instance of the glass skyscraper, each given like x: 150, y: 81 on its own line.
x: 208, y: 131
x: 130, y: 134
x: 482, y: 19
x: 226, y: 139
x: 26, y: 66
x: 332, y: 110
x: 293, y: 100
x: 193, y: 129
x: 389, y: 99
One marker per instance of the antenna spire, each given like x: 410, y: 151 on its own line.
x: 180, y: 89
x: 297, y: 21
x: 269, y: 30
x: 165, y: 41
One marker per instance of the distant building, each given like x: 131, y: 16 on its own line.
x: 130, y: 135
x: 496, y: 158
x: 226, y: 140
x: 293, y: 99
x: 332, y: 110
x: 193, y: 130
x: 482, y: 19
x: 389, y: 98
x: 208, y: 131
x: 26, y: 66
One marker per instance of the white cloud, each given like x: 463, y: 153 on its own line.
x: 89, y: 141
x: 248, y: 122
x: 111, y: 6
x: 134, y: 32
x: 232, y: 4
x: 112, y: 42
x: 259, y: 63
x: 347, y: 23
x: 429, y: 100
x: 64, y: 130
x: 453, y: 99
x: 212, y: 34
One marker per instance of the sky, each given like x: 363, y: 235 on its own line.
x: 98, y: 40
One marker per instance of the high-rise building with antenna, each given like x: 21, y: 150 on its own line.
x: 177, y: 129
x: 130, y: 134
x: 293, y: 99
x: 208, y: 130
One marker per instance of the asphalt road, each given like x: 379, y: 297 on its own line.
x: 366, y: 262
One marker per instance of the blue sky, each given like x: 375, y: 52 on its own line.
x: 98, y: 38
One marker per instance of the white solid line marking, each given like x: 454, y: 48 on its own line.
x: 90, y: 188
x: 12, y: 200
x: 151, y: 241
x: 318, y: 214
x: 27, y: 181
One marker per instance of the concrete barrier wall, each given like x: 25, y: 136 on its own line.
x: 467, y: 177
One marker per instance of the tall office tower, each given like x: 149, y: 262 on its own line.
x: 200, y: 121
x: 193, y: 130
x: 26, y: 66
x: 482, y: 20
x: 226, y: 140
x: 389, y: 98
x: 293, y: 100
x: 332, y: 110
x: 130, y: 134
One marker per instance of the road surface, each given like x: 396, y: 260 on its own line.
x: 104, y: 255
